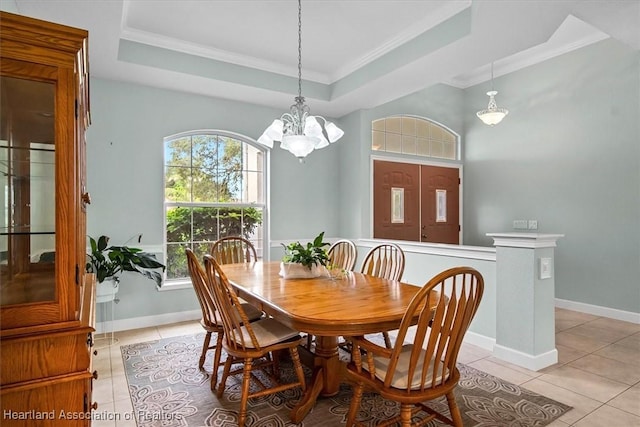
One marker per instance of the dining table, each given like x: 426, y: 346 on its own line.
x: 326, y: 307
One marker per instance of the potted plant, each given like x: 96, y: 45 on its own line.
x: 305, y: 261
x: 108, y: 262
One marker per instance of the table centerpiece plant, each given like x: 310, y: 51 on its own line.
x: 305, y: 261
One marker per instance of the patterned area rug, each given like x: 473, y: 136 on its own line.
x: 168, y: 389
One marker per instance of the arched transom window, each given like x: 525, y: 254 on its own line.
x: 414, y: 135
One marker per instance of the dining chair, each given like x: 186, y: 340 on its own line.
x: 232, y: 250
x: 343, y: 253
x: 425, y: 367
x: 211, y: 321
x: 385, y: 260
x: 254, y: 344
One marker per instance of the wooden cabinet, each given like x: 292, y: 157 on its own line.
x: 46, y: 299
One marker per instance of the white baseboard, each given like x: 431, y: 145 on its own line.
x: 529, y: 361
x: 612, y: 313
x: 147, y: 321
x: 478, y: 340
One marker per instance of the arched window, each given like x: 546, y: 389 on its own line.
x: 414, y: 135
x: 214, y: 186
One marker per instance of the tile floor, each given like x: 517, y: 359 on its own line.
x: 598, y: 371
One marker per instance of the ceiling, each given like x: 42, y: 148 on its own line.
x: 356, y: 54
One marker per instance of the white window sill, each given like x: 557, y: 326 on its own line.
x: 175, y: 285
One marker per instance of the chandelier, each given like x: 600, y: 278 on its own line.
x: 492, y: 115
x: 298, y: 131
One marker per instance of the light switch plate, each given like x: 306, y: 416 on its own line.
x: 545, y: 268
x: 519, y: 224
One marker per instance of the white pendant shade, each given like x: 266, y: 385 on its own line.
x: 299, y: 145
x: 492, y: 115
x: 333, y: 132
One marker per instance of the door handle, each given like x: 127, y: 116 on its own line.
x: 424, y: 236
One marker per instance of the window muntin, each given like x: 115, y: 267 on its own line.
x: 214, y: 187
x: 414, y: 135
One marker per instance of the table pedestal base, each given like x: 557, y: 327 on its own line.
x: 326, y: 377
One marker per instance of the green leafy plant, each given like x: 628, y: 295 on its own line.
x: 314, y: 253
x: 109, y: 261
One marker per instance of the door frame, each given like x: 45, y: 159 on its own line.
x: 428, y: 162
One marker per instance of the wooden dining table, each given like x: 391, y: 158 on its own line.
x: 357, y: 304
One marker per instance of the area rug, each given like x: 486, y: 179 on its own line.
x: 167, y: 389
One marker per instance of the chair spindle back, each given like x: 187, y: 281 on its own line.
x: 385, y: 260
x: 233, y: 250
x: 234, y: 318
x: 202, y: 290
x: 343, y: 254
x: 439, y: 331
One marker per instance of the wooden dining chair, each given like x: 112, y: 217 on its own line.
x: 211, y: 321
x: 254, y: 344
x: 425, y: 368
x: 387, y: 261
x: 343, y: 254
x: 233, y: 250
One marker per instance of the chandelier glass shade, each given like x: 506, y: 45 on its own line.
x: 298, y: 131
x: 492, y: 115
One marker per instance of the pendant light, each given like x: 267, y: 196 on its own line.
x: 492, y: 115
x: 297, y: 131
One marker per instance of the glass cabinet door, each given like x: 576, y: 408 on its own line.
x: 27, y: 201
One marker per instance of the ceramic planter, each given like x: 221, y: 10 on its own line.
x: 106, y: 290
x: 293, y: 270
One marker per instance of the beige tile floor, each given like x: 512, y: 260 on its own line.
x: 598, y: 373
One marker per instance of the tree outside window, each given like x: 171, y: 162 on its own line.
x: 214, y: 187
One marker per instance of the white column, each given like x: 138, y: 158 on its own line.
x: 525, y: 299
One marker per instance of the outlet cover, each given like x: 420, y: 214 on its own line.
x: 545, y: 268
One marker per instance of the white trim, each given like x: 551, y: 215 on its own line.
x: 150, y: 321
x: 483, y: 253
x: 152, y: 249
x: 244, y: 139
x: 478, y: 340
x: 525, y: 240
x: 197, y: 49
x: 433, y: 19
x: 441, y: 249
x: 174, y: 285
x: 611, y: 313
x: 529, y: 361
x: 577, y: 34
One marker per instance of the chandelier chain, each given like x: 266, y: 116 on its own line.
x: 298, y: 131
x: 300, y: 49
x: 491, y: 75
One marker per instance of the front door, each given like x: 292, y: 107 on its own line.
x: 416, y: 202
x: 396, y: 208
x: 440, y: 218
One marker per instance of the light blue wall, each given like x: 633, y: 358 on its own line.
x: 568, y: 155
x: 125, y: 176
x: 440, y: 103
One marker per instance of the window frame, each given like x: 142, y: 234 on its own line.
x: 447, y: 129
x: 185, y: 282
